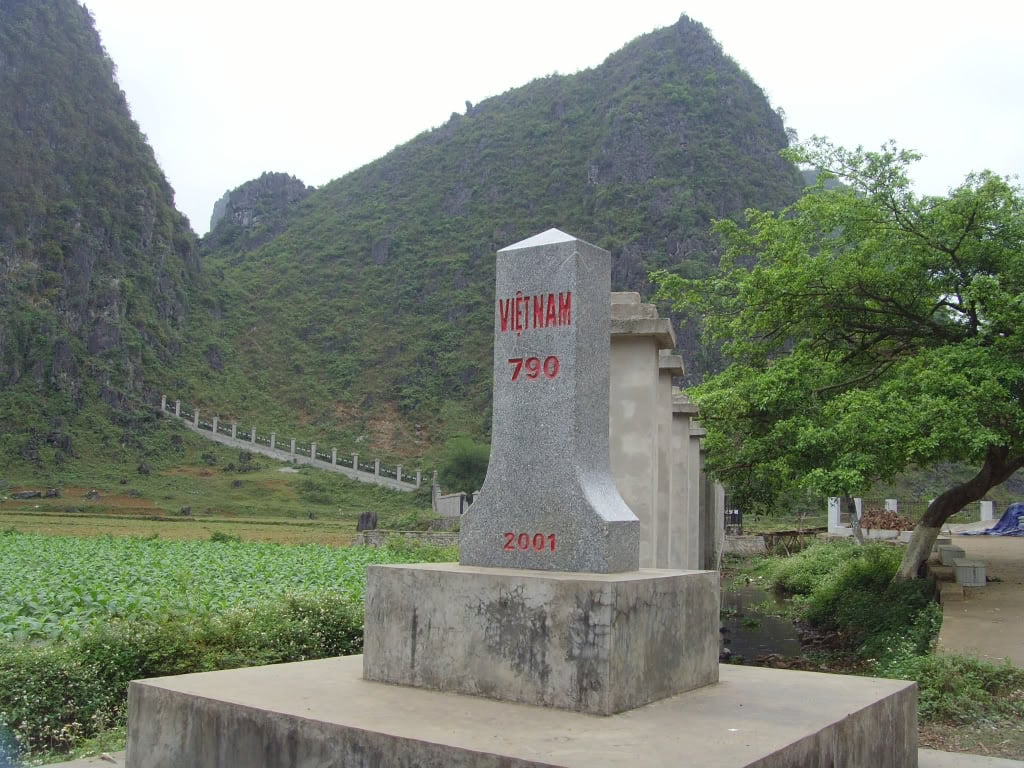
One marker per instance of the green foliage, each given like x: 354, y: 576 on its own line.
x: 412, y: 551
x: 54, y: 587
x: 221, y: 537
x: 377, y: 296
x: 96, y: 265
x: 804, y: 572
x: 56, y: 695
x: 262, y: 605
x: 464, y: 465
x: 960, y: 689
x: 366, y: 309
x: 850, y: 588
x: 868, y: 329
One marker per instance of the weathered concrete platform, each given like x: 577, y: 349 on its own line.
x: 588, y: 642
x: 323, y: 714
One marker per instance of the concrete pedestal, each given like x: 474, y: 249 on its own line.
x: 587, y: 642
x: 323, y: 714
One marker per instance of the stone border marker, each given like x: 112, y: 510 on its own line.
x: 549, y: 501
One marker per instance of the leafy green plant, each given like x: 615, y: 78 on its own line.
x: 961, y: 689
x: 851, y: 589
x: 55, y: 694
x: 54, y: 587
x: 464, y: 465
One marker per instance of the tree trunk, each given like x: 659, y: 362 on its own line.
x: 851, y: 509
x: 997, y: 469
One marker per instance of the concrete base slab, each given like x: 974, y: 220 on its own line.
x: 939, y: 572
x: 588, y: 642
x: 950, y: 593
x: 323, y: 714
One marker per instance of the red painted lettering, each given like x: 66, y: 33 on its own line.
x: 551, y: 366
x: 517, y: 367
x: 543, y: 310
x: 538, y: 312
x: 565, y: 308
x: 504, y: 311
x: 524, y: 542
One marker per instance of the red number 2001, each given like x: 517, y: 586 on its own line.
x: 525, y: 542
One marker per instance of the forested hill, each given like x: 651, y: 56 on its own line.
x: 96, y: 265
x: 359, y: 313
x: 376, y: 297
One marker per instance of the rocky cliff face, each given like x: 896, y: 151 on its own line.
x: 96, y: 265
x: 255, y: 212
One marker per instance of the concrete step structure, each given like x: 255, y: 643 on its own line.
x: 969, y: 573
x: 323, y: 713
x: 926, y: 758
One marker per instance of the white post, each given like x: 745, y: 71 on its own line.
x: 398, y: 473
x: 234, y: 430
x: 273, y: 440
x: 312, y: 450
x: 292, y: 450
x: 419, y: 477
x: 215, y: 420
x: 334, y: 456
x: 163, y: 402
x: 195, y: 418
x: 355, y: 461
x: 177, y: 408
x: 252, y: 434
x: 833, y: 514
x: 988, y: 509
x: 376, y: 467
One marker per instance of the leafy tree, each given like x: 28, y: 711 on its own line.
x: 869, y: 329
x: 464, y: 464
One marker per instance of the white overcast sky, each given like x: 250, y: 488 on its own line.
x: 228, y: 89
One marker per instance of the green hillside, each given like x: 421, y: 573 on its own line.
x: 357, y: 314
x: 98, y: 271
x: 370, y: 314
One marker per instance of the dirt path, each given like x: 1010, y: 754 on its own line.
x: 989, y: 623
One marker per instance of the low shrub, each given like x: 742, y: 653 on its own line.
x: 960, y: 689
x: 805, y: 572
x: 406, y: 550
x: 850, y: 589
x: 53, y: 696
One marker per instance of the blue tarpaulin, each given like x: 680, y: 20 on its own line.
x: 1010, y: 524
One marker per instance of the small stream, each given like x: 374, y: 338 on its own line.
x: 748, y: 633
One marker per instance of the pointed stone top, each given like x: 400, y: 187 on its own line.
x: 549, y: 237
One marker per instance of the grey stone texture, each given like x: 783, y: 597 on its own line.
x: 597, y: 643
x: 322, y: 714
x: 549, y: 501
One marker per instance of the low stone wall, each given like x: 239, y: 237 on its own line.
x: 745, y: 545
x: 379, y: 538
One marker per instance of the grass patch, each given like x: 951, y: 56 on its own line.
x: 175, y: 469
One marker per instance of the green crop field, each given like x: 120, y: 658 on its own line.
x: 56, y: 587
